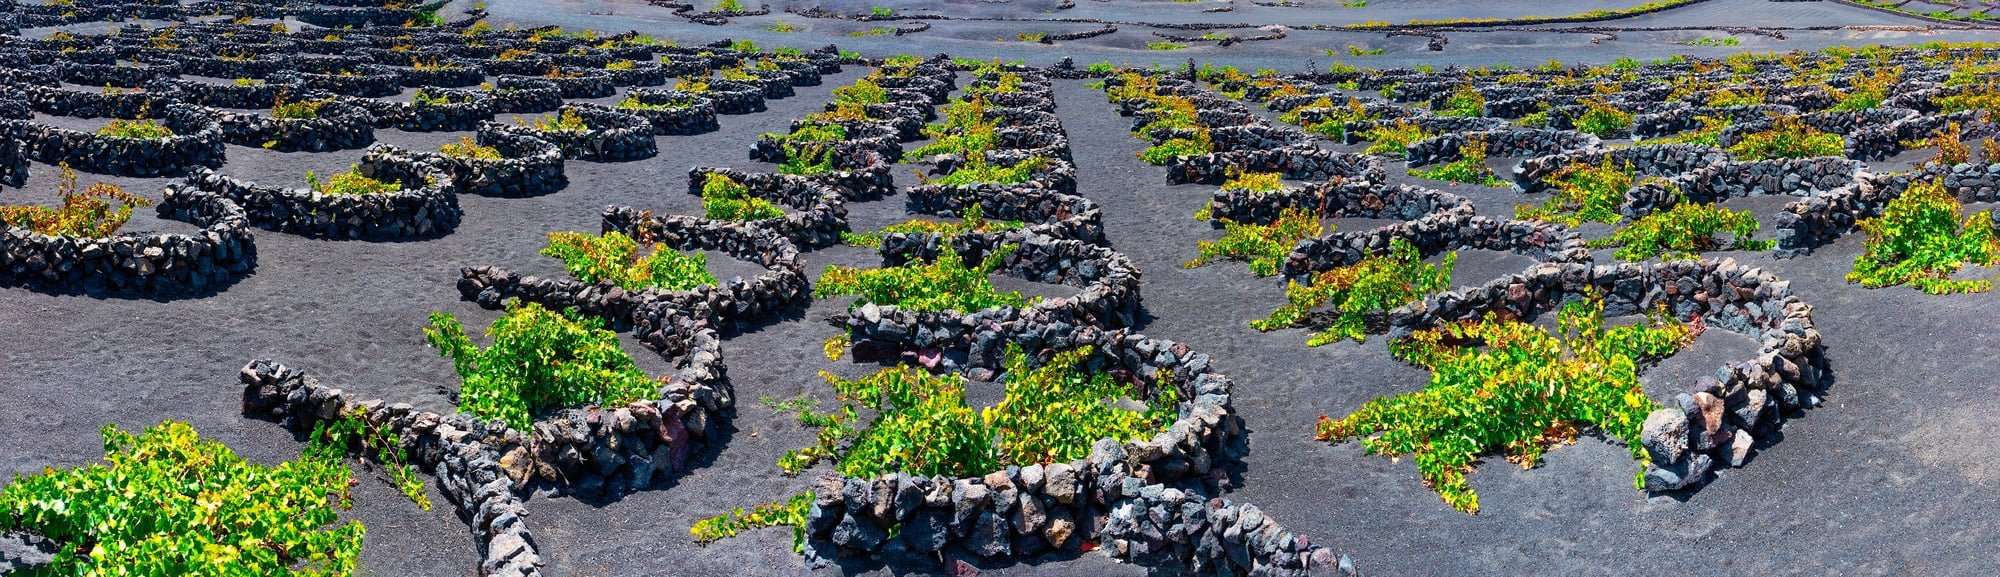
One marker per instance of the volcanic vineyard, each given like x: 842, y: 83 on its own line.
x: 987, y: 395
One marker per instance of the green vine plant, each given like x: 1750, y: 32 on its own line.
x: 467, y: 148
x: 377, y: 445
x: 809, y: 147
x: 1351, y: 293
x: 1470, y: 168
x: 965, y: 132
x: 1919, y: 240
x: 168, y: 502
x: 1253, y: 182
x: 539, y: 360
x: 1393, y: 139
x: 1583, y: 193
x: 1466, y: 102
x: 920, y: 424
x: 350, y: 182
x: 1601, y: 119
x: 723, y: 198
x: 86, y: 213
x: 1788, y: 137
x: 1684, y: 232
x: 1264, y: 246
x: 1709, y: 134
x: 1334, y: 125
x: 971, y: 219
x: 943, y: 284
x: 140, y: 129
x: 614, y: 258
x: 977, y: 170
x: 1500, y: 385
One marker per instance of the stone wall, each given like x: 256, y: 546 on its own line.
x: 695, y: 113
x: 1303, y: 163
x: 1433, y: 235
x: 196, y: 142
x: 426, y: 206
x: 816, y: 215
x: 157, y: 264
x: 613, y: 134
x: 340, y: 125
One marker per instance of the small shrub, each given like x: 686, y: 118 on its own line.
x: 540, y: 360
x: 977, y: 170
x: 723, y: 198
x: 614, y: 258
x: 944, y: 284
x: 1684, y: 232
x: 1919, y: 240
x: 1602, y: 119
x: 1359, y: 50
x: 783, y: 27
x: 881, y: 12
x: 972, y: 219
x: 1374, y: 285
x: 1788, y: 137
x: 566, y: 120
x: 350, y: 182
x: 1394, y: 139
x: 300, y: 110
x: 1470, y: 168
x: 1525, y: 390
x: 1258, y: 182
x: 169, y: 502
x: 141, y: 129
x: 863, y: 91
x: 1726, y: 98
x: 1466, y: 102
x: 467, y: 148
x: 1868, y: 91
x: 1709, y: 134
x: 86, y: 213
x: 1164, y: 46
x: 1031, y: 36
x: 1583, y: 193
x: 1264, y: 246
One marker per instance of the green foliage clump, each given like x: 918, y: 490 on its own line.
x: 1466, y: 102
x: 1376, y: 284
x: 1470, y: 168
x: 1920, y: 240
x: 1394, y: 139
x: 791, y: 512
x: 977, y: 170
x: 1868, y: 91
x: 86, y: 213
x: 540, y: 360
x: 1583, y: 193
x: 1258, y: 182
x: 1165, y: 46
x: 287, y: 110
x: 1504, y: 385
x: 1788, y: 137
x: 350, y: 182
x: 1334, y: 125
x: 168, y: 502
x: 1051, y: 413
x: 468, y: 148
x: 972, y: 219
x: 141, y: 129
x: 353, y: 432
x: 944, y: 284
x: 1160, y: 154
x: 1264, y: 246
x: 809, y: 148
x: 614, y: 258
x: 1684, y: 232
x: 633, y: 103
x: 565, y: 121
x: 1709, y: 134
x: 863, y: 91
x: 723, y: 198
x: 965, y: 132
x: 1602, y: 120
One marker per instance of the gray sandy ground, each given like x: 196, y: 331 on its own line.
x: 1895, y: 476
